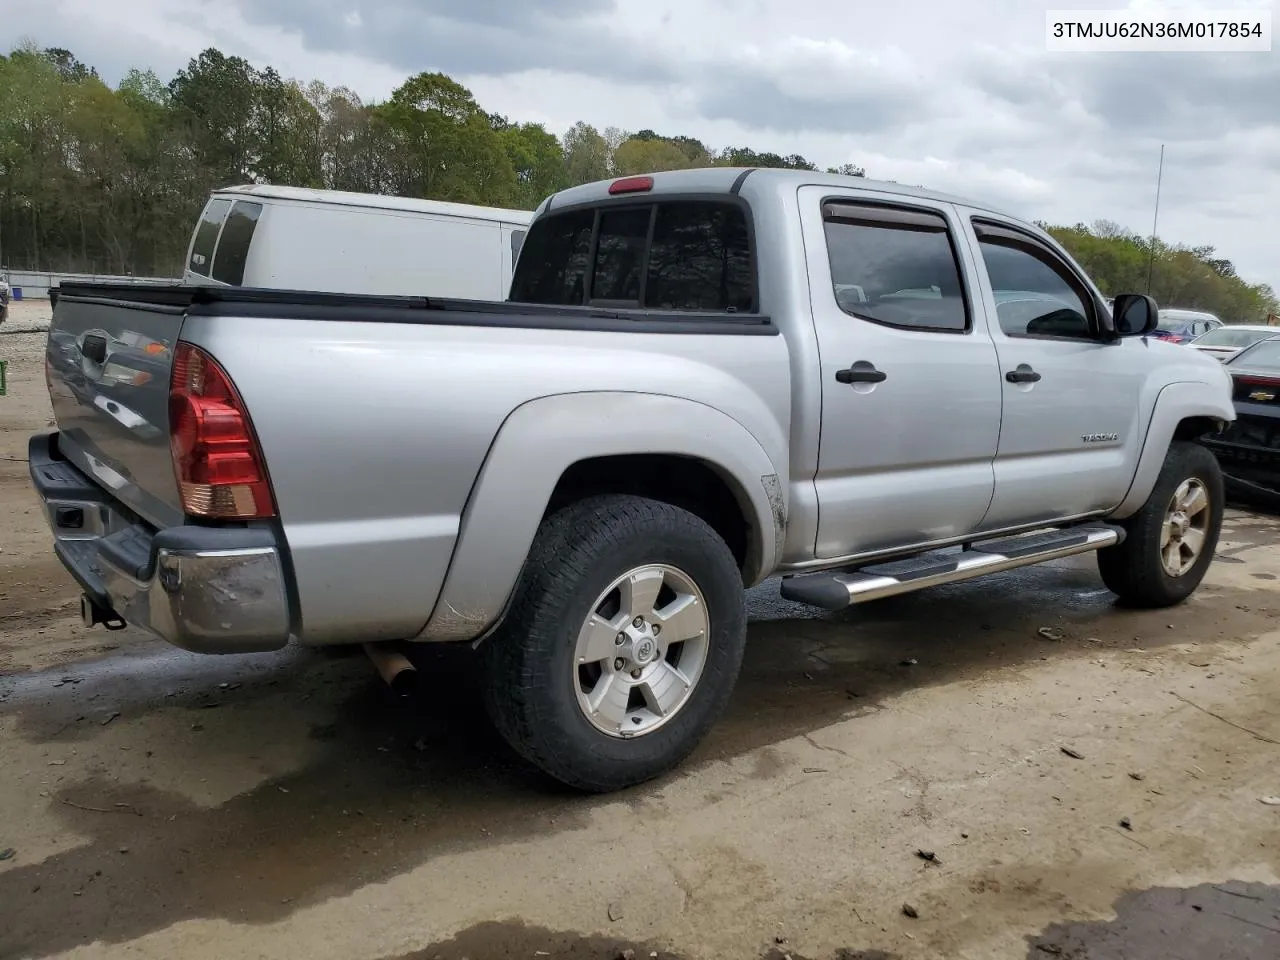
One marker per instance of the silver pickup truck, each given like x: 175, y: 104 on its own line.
x: 701, y: 379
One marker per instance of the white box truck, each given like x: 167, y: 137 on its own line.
x: 332, y: 241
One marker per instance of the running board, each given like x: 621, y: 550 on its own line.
x: 843, y: 588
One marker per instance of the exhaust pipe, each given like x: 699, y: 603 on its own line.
x: 394, y: 668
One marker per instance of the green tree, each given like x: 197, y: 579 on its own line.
x: 537, y: 159
x: 216, y: 101
x: 287, y: 134
x: 848, y: 170
x: 636, y: 155
x: 1120, y: 261
x: 447, y: 148
x: 746, y: 157
x: 32, y: 151
x: 587, y: 155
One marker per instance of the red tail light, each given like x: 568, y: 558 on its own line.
x: 631, y: 185
x: 216, y: 457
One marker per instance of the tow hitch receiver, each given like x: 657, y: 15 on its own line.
x: 92, y: 613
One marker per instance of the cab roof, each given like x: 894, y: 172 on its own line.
x: 724, y: 180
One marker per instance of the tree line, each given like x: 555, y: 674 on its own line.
x: 102, y: 180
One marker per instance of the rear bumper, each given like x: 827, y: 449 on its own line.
x: 206, y: 589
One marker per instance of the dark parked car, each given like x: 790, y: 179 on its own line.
x: 1183, y: 326
x: 1249, y: 449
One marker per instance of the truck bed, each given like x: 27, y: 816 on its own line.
x: 376, y: 415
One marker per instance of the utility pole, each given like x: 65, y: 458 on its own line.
x: 1155, y: 220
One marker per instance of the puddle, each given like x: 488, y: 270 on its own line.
x: 1225, y: 921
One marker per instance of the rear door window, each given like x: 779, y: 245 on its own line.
x: 895, y: 266
x: 677, y: 255
x: 207, y: 236
x: 233, y: 246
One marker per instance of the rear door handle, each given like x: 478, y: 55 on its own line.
x: 861, y: 372
x: 1022, y: 374
x: 94, y: 347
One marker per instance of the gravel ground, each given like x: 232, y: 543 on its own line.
x: 26, y: 316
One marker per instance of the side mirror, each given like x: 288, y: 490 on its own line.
x: 1134, y: 315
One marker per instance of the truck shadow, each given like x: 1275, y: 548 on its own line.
x: 373, y: 791
x: 515, y: 938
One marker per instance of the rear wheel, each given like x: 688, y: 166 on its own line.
x: 622, y: 645
x: 1171, y: 540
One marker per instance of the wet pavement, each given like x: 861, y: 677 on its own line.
x: 1223, y: 921
x: 347, y: 787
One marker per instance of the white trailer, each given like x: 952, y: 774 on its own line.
x: 293, y: 238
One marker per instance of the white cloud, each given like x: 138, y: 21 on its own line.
x: 960, y: 97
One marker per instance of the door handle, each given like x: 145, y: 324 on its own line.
x: 94, y: 347
x: 1023, y: 374
x: 861, y: 372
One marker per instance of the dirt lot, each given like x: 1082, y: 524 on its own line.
x: 155, y: 804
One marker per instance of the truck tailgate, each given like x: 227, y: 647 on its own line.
x: 108, y: 366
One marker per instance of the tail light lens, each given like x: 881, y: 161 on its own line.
x: 631, y: 185
x: 219, y: 465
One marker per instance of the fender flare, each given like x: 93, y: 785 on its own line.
x: 541, y: 439
x: 1176, y: 402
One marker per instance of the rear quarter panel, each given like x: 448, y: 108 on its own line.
x: 374, y: 434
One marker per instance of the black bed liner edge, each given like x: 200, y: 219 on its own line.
x: 313, y: 305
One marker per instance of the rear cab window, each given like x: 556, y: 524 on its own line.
x: 667, y: 253
x: 206, y: 236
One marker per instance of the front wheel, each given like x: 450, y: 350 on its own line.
x: 1171, y: 540
x: 622, y: 645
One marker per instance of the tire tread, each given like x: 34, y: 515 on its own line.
x: 567, y: 552
x: 1132, y: 570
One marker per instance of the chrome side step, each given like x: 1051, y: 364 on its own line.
x: 843, y: 588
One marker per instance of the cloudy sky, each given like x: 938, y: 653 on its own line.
x: 959, y: 96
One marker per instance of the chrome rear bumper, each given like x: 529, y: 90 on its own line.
x: 206, y: 589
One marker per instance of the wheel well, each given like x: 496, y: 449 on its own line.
x: 680, y: 481
x: 1193, y: 428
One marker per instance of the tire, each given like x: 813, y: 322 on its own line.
x: 1136, y: 570
x: 535, y: 684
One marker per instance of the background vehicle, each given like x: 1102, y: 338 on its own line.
x: 327, y: 240
x: 1181, y: 326
x: 1249, y: 449
x: 1226, y: 341
x: 703, y: 378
